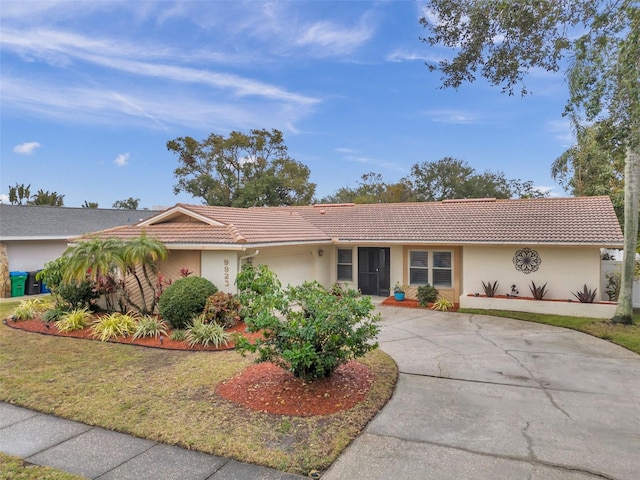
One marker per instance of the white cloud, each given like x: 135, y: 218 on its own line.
x: 399, y: 56
x: 452, y: 116
x: 122, y: 159
x: 352, y: 155
x: 4, y: 198
x: 26, y: 148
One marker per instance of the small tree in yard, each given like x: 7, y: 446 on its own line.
x: 308, y: 329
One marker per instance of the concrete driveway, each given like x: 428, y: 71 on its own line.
x: 489, y: 398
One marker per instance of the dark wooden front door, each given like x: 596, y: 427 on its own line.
x: 373, y: 271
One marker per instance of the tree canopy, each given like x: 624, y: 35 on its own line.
x: 447, y: 178
x: 127, y: 204
x: 241, y: 170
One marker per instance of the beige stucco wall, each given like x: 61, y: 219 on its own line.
x: 563, y: 269
x: 295, y: 265
x: 221, y: 268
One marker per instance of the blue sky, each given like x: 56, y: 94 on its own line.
x: 92, y: 91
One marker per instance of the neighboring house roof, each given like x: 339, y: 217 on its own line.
x: 37, y: 222
x: 557, y: 221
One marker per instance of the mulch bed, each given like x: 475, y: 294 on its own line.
x: 410, y: 303
x: 268, y: 388
x: 38, y: 326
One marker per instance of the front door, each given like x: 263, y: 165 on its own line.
x: 374, y: 271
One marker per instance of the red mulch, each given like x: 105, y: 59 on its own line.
x: 410, y: 303
x: 267, y: 388
x: 38, y: 326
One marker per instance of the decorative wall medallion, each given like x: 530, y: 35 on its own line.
x: 527, y: 260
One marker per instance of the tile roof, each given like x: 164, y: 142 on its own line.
x: 29, y: 222
x: 559, y: 221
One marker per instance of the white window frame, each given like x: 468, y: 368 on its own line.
x: 430, y: 265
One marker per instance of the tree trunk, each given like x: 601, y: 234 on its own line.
x: 624, y: 310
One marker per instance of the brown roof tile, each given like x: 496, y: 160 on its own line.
x: 581, y: 220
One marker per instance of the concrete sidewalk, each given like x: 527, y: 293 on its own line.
x: 97, y: 453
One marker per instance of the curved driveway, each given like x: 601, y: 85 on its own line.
x: 481, y: 397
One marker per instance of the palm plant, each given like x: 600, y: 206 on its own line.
x: 142, y: 255
x: 98, y: 260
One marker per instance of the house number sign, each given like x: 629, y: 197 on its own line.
x: 527, y: 260
x: 226, y: 272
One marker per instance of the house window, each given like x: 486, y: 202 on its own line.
x: 433, y: 267
x: 418, y: 267
x: 345, y: 265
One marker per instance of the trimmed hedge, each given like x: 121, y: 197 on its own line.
x: 184, y: 299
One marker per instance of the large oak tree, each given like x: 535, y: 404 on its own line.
x: 241, y: 170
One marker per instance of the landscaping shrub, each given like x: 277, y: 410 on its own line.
x: 184, y: 299
x: 222, y: 308
x: 307, y: 330
x: 114, y: 325
x: 81, y: 295
x: 150, y: 326
x: 202, y: 333
x: 32, y: 308
x: 53, y: 315
x: 442, y: 304
x: 426, y: 295
x: 76, y: 319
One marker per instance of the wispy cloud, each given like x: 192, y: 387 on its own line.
x: 122, y: 159
x: 354, y: 156
x: 399, y: 56
x: 149, y: 108
x: 452, y: 116
x: 26, y: 148
x: 328, y: 38
x: 561, y: 131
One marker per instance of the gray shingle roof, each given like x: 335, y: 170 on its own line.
x: 35, y: 222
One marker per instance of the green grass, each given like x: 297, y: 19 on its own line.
x: 627, y: 336
x: 169, y: 396
x: 14, y: 468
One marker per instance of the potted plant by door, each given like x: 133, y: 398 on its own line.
x: 399, y: 292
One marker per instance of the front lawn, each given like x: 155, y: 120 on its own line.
x: 169, y: 396
x: 627, y: 336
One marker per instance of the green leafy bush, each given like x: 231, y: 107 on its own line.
x: 150, y: 326
x: 76, y: 319
x: 184, y: 299
x: 307, y: 329
x: 202, y: 333
x: 53, y: 315
x: 222, y: 308
x: 114, y: 325
x: 179, y: 335
x: 79, y: 295
x: 427, y: 294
